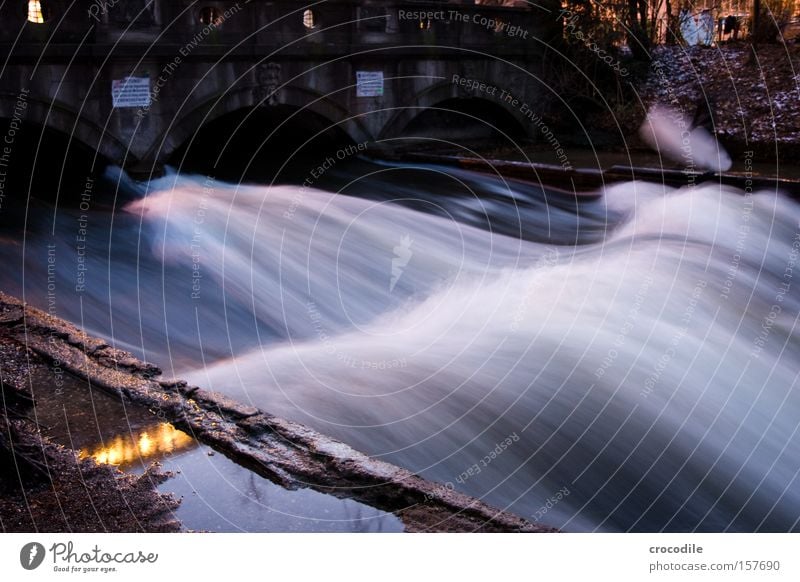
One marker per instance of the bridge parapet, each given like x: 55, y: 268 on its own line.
x: 291, y: 27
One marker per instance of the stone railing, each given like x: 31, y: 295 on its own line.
x: 290, y: 27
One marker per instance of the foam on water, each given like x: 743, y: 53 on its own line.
x: 668, y: 131
x: 649, y: 374
x: 646, y: 372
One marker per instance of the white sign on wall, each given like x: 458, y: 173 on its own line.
x: 131, y: 92
x: 369, y: 83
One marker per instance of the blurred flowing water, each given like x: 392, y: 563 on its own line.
x: 628, y: 361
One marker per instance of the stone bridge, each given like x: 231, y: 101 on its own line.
x: 136, y: 81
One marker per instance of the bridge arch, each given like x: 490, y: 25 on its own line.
x: 293, y: 107
x: 446, y: 97
x: 51, y: 153
x: 45, y: 112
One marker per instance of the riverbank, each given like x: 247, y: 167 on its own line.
x: 747, y: 98
x: 47, y: 487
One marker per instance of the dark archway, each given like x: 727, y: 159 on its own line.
x: 45, y: 164
x: 459, y: 118
x: 254, y: 144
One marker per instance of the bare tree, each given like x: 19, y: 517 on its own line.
x: 638, y: 37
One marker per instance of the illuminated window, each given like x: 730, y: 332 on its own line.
x: 209, y: 15
x: 35, y: 11
x: 308, y: 19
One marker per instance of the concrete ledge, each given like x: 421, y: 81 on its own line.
x: 285, y: 452
x: 592, y: 180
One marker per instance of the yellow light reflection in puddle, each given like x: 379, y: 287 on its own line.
x: 154, y: 441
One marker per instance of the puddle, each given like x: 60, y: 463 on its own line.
x: 132, y: 449
x: 219, y: 495
x: 101, y: 426
x: 216, y: 494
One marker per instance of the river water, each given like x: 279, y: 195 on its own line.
x: 623, y: 361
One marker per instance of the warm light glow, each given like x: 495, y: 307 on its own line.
x: 308, y: 19
x: 35, y: 12
x: 210, y: 16
x: 145, y: 444
x: 152, y: 442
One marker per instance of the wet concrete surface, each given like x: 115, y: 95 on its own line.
x: 278, y: 475
x: 216, y: 494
